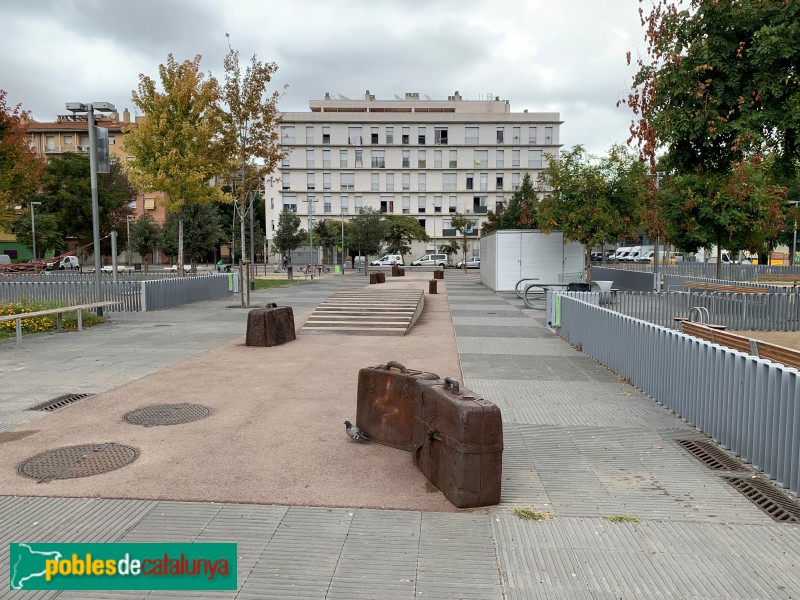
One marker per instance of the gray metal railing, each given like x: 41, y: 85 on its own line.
x: 625, y: 279
x: 751, y: 406
x: 675, y: 283
x: 735, y: 272
x: 156, y: 295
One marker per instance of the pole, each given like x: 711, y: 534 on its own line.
x: 128, y: 223
x: 98, y: 293
x: 114, y: 258
x: 252, y: 251
x: 794, y: 243
x: 33, y: 230
x: 342, y: 208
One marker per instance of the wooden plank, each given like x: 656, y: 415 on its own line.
x: 717, y: 287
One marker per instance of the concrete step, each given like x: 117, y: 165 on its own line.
x: 366, y: 312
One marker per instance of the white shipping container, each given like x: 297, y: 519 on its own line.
x: 513, y: 254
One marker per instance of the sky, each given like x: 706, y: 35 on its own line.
x: 565, y: 56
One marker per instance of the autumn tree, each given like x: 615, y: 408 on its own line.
x: 177, y: 146
x: 20, y: 169
x: 327, y: 234
x: 201, y: 232
x: 463, y: 226
x: 401, y: 230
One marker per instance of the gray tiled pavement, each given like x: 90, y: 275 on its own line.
x: 580, y: 444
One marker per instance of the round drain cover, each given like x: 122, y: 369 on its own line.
x: 167, y: 414
x: 77, y: 461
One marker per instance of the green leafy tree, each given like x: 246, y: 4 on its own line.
x: 48, y: 234
x: 451, y: 248
x: 401, y: 230
x: 367, y: 233
x: 328, y: 234
x: 20, y: 169
x: 288, y: 236
x: 201, y: 230
x: 145, y: 236
x: 463, y: 225
x: 178, y: 147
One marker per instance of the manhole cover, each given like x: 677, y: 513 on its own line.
x: 59, y: 402
x: 167, y: 414
x: 773, y: 501
x: 711, y: 455
x: 77, y: 461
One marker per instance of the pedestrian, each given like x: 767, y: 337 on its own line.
x: 285, y: 261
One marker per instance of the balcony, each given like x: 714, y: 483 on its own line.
x: 480, y: 209
x: 448, y: 232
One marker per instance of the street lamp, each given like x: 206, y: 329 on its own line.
x: 128, y: 220
x: 794, y: 234
x: 311, y: 201
x: 33, y: 228
x: 79, y: 107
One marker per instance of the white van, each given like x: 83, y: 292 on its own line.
x: 431, y: 260
x: 5, y: 259
x: 622, y: 251
x: 388, y: 260
x: 68, y: 263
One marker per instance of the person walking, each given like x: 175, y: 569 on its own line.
x: 285, y: 261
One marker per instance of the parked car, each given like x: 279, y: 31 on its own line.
x: 473, y: 262
x: 388, y: 260
x: 431, y: 260
x: 66, y: 263
x: 186, y: 268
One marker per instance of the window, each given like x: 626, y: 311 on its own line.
x: 516, y: 134
x: 406, y: 134
x: 359, y: 157
x: 515, y: 181
x: 111, y: 140
x: 309, y: 159
x: 470, y: 180
x: 421, y: 201
x: 358, y: 204
x: 453, y: 158
x: 326, y: 181
x: 309, y: 134
x: 437, y: 159
x: 499, y: 159
x: 481, y: 158
x: 288, y: 134
x: 374, y: 138
x: 273, y: 224
x: 484, y: 181
x: 437, y: 204
x: 421, y: 223
x: 286, y: 181
x: 531, y: 135
x: 449, y: 182
x: 290, y: 203
x: 309, y: 181
x: 84, y: 142
x: 421, y: 136
x: 387, y: 204
x: 453, y: 204
x: 347, y: 181
x: 285, y: 160
x: 406, y: 181
x: 406, y: 205
x: 421, y: 160
x: 501, y: 132
x: 406, y: 159
x: 440, y: 135
x: 535, y: 159
x: 68, y: 140
x: 378, y: 159
x: 548, y: 135
x: 390, y: 135
x: 421, y: 182
x: 150, y: 203
x: 498, y: 181
x: 343, y: 158
x: 471, y: 135
x: 354, y: 136
x: 343, y: 205
x: 271, y: 204
x: 326, y: 158
x: 326, y: 134
x: 326, y: 205
x: 49, y: 143
x: 390, y: 182
x: 515, y: 158
x: 376, y: 182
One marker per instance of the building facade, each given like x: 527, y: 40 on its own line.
x: 429, y: 159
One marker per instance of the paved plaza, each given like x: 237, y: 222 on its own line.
x: 579, y: 444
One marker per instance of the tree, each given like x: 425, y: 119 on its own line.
x: 593, y: 202
x: 288, y: 236
x: 145, y: 236
x: 201, y: 228
x: 367, y: 232
x: 48, y: 233
x: 401, y: 230
x: 328, y: 234
x: 521, y: 211
x: 177, y: 147
x: 251, y: 131
x: 20, y: 169
x: 450, y: 248
x: 462, y: 225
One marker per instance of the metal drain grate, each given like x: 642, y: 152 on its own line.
x: 77, y: 461
x: 711, y: 455
x: 772, y: 500
x: 60, y: 402
x: 167, y: 414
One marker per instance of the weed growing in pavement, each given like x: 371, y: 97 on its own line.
x: 622, y: 519
x: 533, y: 515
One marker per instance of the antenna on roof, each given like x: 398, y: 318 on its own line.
x: 427, y: 97
x: 343, y: 97
x: 396, y: 97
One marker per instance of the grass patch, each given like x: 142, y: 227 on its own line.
x: 622, y: 519
x: 268, y: 284
x: 44, y: 323
x: 533, y: 515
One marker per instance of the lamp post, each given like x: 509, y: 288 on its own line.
x: 342, y: 209
x: 794, y: 233
x: 79, y: 107
x: 128, y: 219
x: 311, y: 201
x: 33, y: 229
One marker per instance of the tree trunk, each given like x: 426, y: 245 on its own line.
x: 242, y: 253
x: 588, y: 264
x: 180, y: 245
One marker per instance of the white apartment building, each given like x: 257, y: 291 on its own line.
x: 425, y: 158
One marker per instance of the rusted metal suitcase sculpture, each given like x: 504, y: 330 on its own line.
x: 395, y: 271
x: 381, y: 277
x: 373, y: 278
x: 458, y: 443
x: 438, y: 274
x: 433, y: 286
x: 270, y: 326
x: 385, y: 405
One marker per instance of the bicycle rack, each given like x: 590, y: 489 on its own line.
x: 702, y: 311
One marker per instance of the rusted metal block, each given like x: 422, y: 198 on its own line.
x: 270, y: 326
x: 381, y: 277
x: 373, y: 278
x: 438, y: 274
x: 433, y: 286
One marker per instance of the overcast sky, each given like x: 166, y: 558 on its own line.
x: 566, y: 56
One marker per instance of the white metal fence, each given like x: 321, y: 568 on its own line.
x: 751, y: 406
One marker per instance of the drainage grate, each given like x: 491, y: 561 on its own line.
x: 772, y: 500
x: 167, y: 414
x: 60, y: 402
x: 77, y: 461
x: 712, y: 455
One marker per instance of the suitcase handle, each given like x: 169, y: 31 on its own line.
x: 450, y: 383
x: 272, y: 305
x: 396, y: 365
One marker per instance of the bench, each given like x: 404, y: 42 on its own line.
x: 720, y: 287
x: 793, y: 279
x: 59, y: 312
x: 779, y: 354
